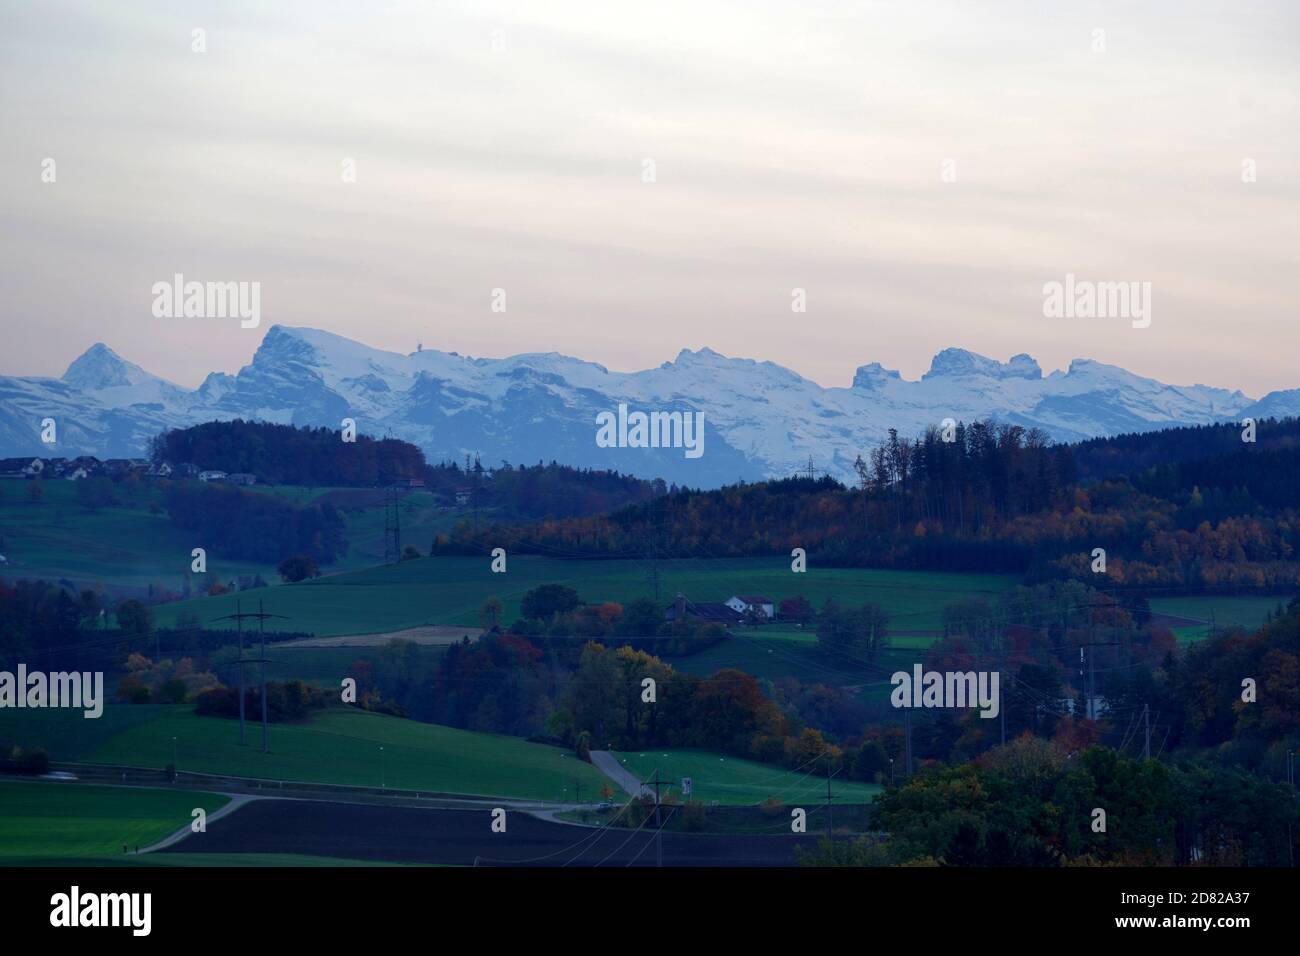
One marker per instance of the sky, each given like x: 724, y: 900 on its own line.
x: 645, y: 177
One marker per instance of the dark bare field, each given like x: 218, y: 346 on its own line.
x: 460, y: 837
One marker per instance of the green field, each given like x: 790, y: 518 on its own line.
x: 127, y: 546
x: 341, y: 746
x: 730, y: 780
x: 1246, y: 610
x: 73, y: 824
x: 450, y: 590
x: 59, y: 822
x: 65, y: 734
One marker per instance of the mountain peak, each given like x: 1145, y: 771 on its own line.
x: 686, y: 355
x: 960, y: 362
x: 874, y: 375
x: 100, y: 367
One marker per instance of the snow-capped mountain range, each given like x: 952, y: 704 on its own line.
x: 760, y: 419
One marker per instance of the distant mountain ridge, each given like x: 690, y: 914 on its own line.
x: 760, y: 419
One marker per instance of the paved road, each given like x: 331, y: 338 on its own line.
x: 608, y: 764
x: 236, y: 801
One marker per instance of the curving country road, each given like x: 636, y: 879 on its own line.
x: 608, y: 764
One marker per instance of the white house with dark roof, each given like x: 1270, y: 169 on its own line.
x: 743, y: 604
x: 21, y: 467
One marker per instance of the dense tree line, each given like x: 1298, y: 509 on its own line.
x: 1030, y: 803
x: 232, y: 523
x: 1128, y: 454
x: 287, y: 454
x: 559, y: 491
x: 995, y: 497
x: 285, y: 700
x: 62, y: 627
x: 291, y: 455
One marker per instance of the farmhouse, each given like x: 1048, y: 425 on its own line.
x: 21, y: 467
x: 681, y: 609
x: 754, y: 603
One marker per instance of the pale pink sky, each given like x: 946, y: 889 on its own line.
x: 501, y: 145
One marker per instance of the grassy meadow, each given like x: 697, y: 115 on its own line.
x: 339, y: 746
x: 731, y: 780
x: 134, y: 544
x: 450, y: 590
x: 62, y: 822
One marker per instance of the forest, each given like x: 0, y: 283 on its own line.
x: 318, y: 457
x: 995, y: 497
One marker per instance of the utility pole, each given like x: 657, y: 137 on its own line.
x: 1146, y: 726
x: 238, y: 618
x: 239, y: 628
x: 1002, y: 714
x: 1002, y: 681
x: 478, y: 477
x: 261, y: 630
x: 907, y: 749
x: 652, y: 549
x: 830, y: 821
x: 392, y: 509
x: 659, y: 827
x: 1092, y: 685
x: 1290, y: 778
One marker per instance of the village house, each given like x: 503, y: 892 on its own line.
x: 21, y: 467
x: 722, y: 613
x: 754, y: 603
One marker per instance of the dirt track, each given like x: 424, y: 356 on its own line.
x: 460, y: 837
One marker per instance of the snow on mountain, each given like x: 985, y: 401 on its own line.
x: 104, y: 375
x: 760, y: 419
